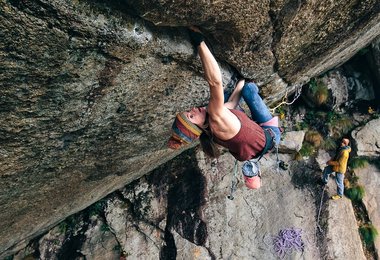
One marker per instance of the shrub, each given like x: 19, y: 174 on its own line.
x: 96, y: 208
x: 356, y: 193
x: 319, y: 90
x: 340, y: 125
x: 67, y: 225
x: 307, y: 149
x: 314, y: 137
x: 104, y: 228
x: 346, y: 183
x: 357, y: 163
x: 321, y: 94
x: 281, y: 112
x: 328, y: 144
x: 301, y: 126
x: 63, y: 227
x: 369, y: 233
x: 298, y: 156
x: 354, y: 178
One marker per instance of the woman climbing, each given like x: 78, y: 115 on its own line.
x: 220, y: 123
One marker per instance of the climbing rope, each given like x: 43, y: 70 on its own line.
x: 277, y: 160
x: 233, y: 181
x: 319, y: 211
x: 284, y: 102
x: 286, y: 241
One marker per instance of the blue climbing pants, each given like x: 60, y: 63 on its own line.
x: 339, y: 177
x: 259, y: 110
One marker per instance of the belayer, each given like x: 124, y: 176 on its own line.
x: 220, y: 123
x: 338, y: 165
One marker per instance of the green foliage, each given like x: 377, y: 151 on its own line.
x: 329, y: 144
x: 345, y: 124
x: 356, y: 193
x: 307, y: 149
x: 357, y: 163
x: 375, y: 115
x: 104, y: 228
x: 363, y: 51
x: 280, y: 110
x: 319, y: 90
x: 63, y: 227
x: 97, y: 208
x: 301, y: 126
x: 368, y: 233
x: 313, y: 84
x: 310, y: 117
x: 314, y: 137
x: 339, y: 125
x: 315, y: 120
x: 117, y: 247
x: 354, y: 179
x: 67, y: 225
x: 298, y: 156
x: 9, y: 257
x: 320, y: 114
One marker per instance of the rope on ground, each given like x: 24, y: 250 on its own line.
x: 319, y: 211
x: 286, y: 241
x: 233, y: 181
x: 284, y: 99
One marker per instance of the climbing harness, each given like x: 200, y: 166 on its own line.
x: 319, y: 211
x: 233, y: 181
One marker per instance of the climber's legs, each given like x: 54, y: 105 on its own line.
x: 339, y: 183
x: 326, y: 174
x: 259, y: 110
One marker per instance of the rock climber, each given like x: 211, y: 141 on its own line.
x: 220, y: 123
x: 338, y: 165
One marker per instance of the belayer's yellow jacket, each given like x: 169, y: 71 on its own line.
x: 339, y: 164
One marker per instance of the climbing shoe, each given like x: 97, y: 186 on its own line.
x: 336, y: 197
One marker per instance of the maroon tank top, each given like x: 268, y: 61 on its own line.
x: 248, y: 142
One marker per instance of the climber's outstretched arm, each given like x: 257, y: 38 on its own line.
x: 213, y: 77
x: 234, y: 99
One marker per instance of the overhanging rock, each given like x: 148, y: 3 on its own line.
x: 89, y: 90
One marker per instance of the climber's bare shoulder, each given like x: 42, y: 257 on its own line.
x: 224, y: 124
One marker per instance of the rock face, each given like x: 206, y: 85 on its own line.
x: 367, y: 139
x: 322, y: 158
x: 182, y: 211
x: 243, y: 228
x: 291, y: 142
x: 342, y: 212
x: 370, y: 178
x: 374, y: 61
x: 89, y: 90
x: 284, y: 37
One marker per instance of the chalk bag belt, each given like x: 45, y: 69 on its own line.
x: 269, y: 142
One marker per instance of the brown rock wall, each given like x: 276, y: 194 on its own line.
x: 88, y: 90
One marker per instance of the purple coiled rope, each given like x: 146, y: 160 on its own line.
x: 287, y: 240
